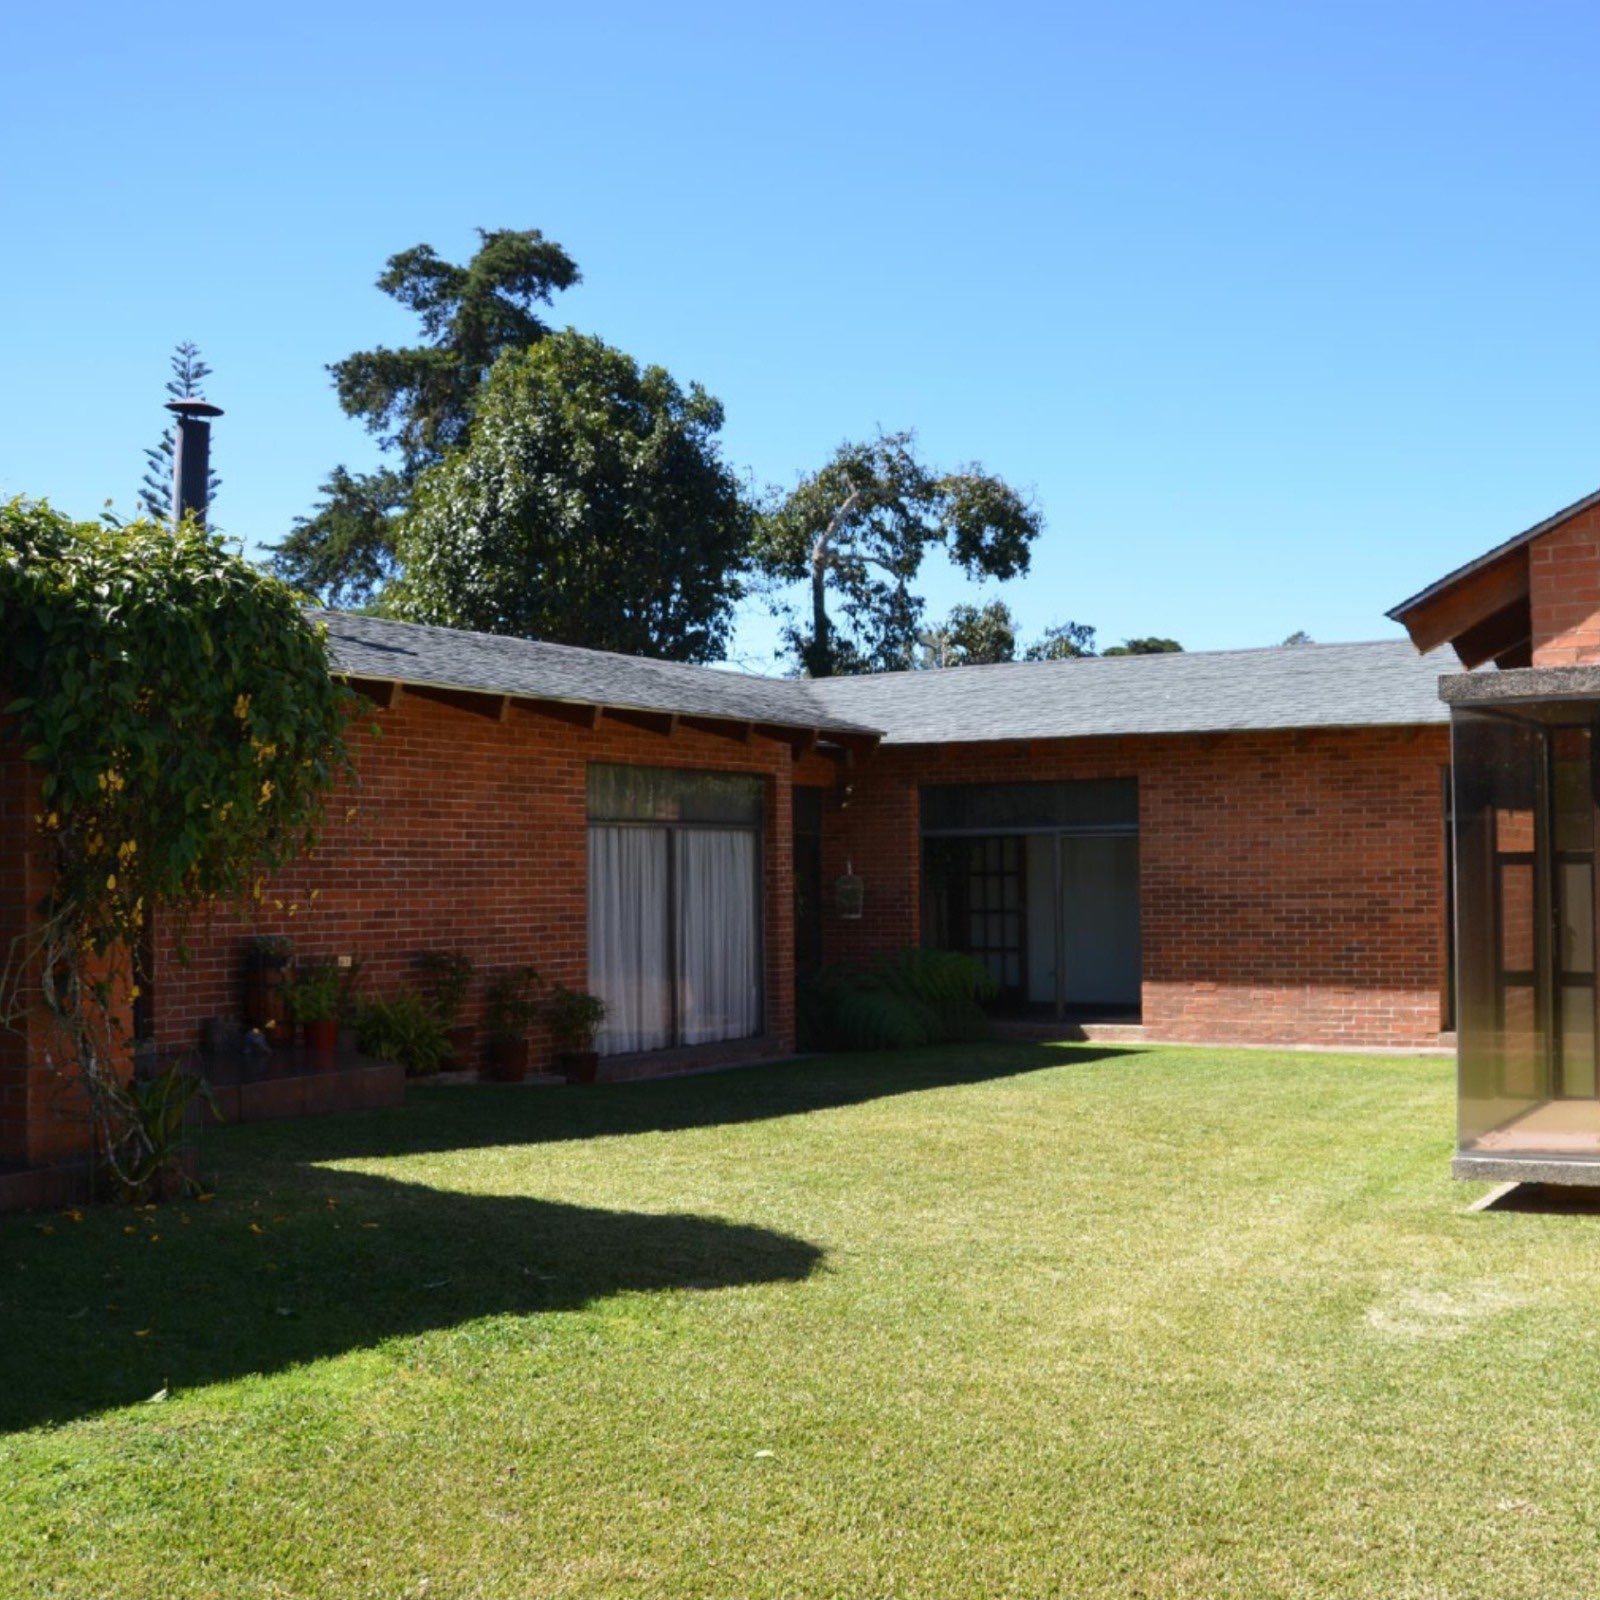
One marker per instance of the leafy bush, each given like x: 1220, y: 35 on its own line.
x: 510, y: 1007
x: 404, y: 1028
x: 312, y: 995
x: 910, y: 998
x: 187, y: 730
x: 573, y: 1017
x: 450, y: 974
x: 155, y: 1136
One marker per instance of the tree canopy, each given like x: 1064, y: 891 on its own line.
x: 971, y: 636
x: 420, y: 400
x: 1145, y: 647
x: 590, y: 506
x: 1062, y: 641
x: 856, y: 532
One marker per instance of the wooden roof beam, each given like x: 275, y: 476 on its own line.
x: 384, y: 693
x: 476, y: 702
x: 721, y: 727
x: 1507, y: 632
x: 1477, y: 598
x: 572, y: 713
x: 802, y: 741
x: 662, y: 722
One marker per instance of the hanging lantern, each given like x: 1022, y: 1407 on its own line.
x: 848, y: 894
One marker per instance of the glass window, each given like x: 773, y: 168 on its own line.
x: 1016, y: 807
x: 674, y: 906
x: 663, y: 794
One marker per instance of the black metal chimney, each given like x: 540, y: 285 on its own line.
x: 191, y: 459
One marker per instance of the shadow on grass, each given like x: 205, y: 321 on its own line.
x: 1544, y: 1199
x: 483, y: 1115
x: 293, y: 1262
x: 107, y: 1311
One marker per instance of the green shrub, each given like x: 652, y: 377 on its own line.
x: 510, y: 1007
x: 899, y: 1002
x: 404, y: 1028
x: 573, y: 1017
x: 312, y: 994
x: 450, y: 975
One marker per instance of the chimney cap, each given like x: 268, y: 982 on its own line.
x: 194, y: 408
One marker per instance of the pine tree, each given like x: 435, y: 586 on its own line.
x: 189, y: 374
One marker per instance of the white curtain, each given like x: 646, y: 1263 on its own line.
x: 629, y: 952
x: 719, y: 943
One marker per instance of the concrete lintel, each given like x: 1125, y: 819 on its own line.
x: 1520, y: 684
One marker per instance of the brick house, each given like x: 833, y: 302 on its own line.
x: 1527, y: 797
x: 1241, y: 846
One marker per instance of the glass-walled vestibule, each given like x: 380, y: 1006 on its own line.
x: 675, y: 928
x: 1040, y: 882
x: 1526, y: 797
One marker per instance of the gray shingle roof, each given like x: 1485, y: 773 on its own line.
x: 1297, y: 686
x: 447, y: 658
x: 1383, y: 684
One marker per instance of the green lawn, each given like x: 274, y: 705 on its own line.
x: 1005, y: 1320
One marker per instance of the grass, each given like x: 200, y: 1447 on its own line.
x: 995, y: 1321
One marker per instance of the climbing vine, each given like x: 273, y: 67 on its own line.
x: 179, y: 706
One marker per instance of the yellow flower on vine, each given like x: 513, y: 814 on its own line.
x: 241, y: 707
x: 111, y: 883
x: 266, y: 791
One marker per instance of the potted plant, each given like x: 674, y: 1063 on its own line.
x: 574, y: 1017
x: 312, y: 997
x: 403, y: 1028
x: 266, y: 978
x: 508, y: 1014
x: 450, y: 974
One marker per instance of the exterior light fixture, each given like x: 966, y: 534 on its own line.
x: 848, y: 894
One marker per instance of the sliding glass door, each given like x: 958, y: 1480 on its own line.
x: 674, y: 906
x: 1040, y: 882
x: 630, y: 942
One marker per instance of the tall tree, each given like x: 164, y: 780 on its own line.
x: 971, y: 636
x: 419, y: 401
x: 857, y: 529
x: 1145, y: 647
x: 1062, y: 641
x: 187, y: 382
x: 590, y: 505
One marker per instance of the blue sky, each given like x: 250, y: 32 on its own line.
x: 1280, y: 310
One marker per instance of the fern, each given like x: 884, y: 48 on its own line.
x: 900, y: 1001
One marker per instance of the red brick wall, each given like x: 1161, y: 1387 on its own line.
x: 469, y: 833
x: 1564, y: 592
x: 17, y: 806
x: 1292, y: 885
x: 42, y: 1116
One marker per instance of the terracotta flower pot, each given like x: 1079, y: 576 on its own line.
x: 507, y: 1059
x: 322, y: 1038
x: 462, y: 1039
x: 578, y: 1066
